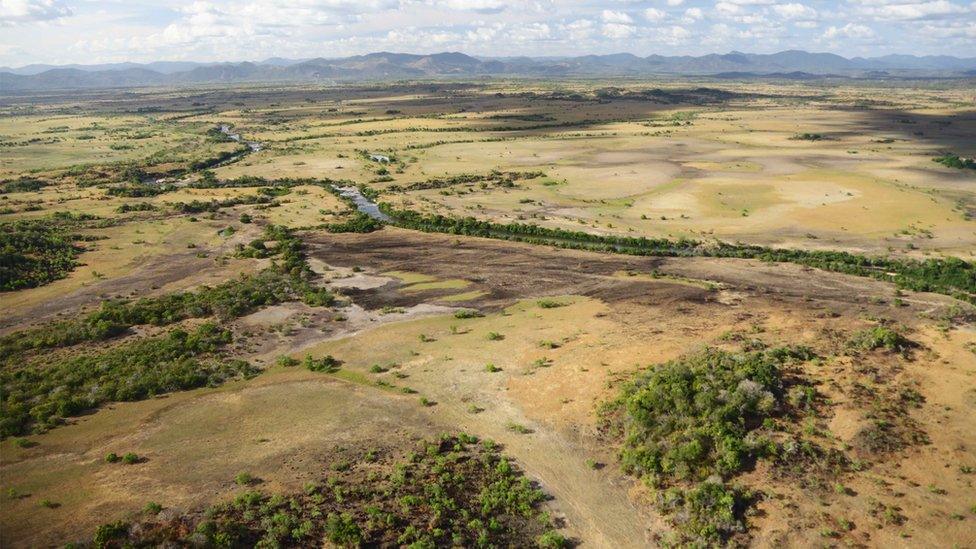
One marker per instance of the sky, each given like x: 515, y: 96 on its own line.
x: 106, y: 31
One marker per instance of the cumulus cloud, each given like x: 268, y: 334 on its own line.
x: 13, y: 12
x: 850, y: 30
x: 795, y: 11
x: 693, y: 14
x: 611, y: 16
x: 146, y: 30
x: 483, y: 6
x: 654, y: 14
x: 617, y: 31
x: 908, y: 11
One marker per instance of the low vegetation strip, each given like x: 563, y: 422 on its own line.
x: 40, y: 394
x: 450, y: 492
x: 289, y: 278
x: 950, y: 276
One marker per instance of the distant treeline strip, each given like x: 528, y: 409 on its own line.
x: 950, y: 276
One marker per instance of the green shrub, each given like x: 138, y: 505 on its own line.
x: 706, y: 515
x: 243, y: 479
x: 343, y: 530
x: 285, y: 360
x: 107, y: 533
x: 130, y: 458
x: 951, y: 160
x: 326, y: 364
x: 552, y: 540
x: 880, y: 337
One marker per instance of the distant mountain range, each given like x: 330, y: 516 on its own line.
x: 792, y: 64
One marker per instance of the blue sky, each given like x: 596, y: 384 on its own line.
x: 83, y: 31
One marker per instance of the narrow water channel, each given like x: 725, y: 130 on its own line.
x: 363, y: 204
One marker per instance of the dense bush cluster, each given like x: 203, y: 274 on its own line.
x: 951, y: 276
x: 688, y: 419
x: 136, y: 207
x: 219, y: 158
x: 34, y: 252
x: 201, y: 206
x: 452, y: 492
x: 38, y: 396
x: 358, y: 223
x: 22, y: 185
x: 691, y: 424
x: 954, y: 161
x: 139, y: 190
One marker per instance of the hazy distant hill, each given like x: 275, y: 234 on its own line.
x: 793, y: 64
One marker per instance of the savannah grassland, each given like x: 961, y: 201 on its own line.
x: 833, y: 410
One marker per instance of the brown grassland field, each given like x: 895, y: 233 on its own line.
x: 616, y: 400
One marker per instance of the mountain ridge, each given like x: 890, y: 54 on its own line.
x: 393, y: 65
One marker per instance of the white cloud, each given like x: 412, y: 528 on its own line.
x: 751, y: 2
x: 795, y: 11
x: 957, y: 30
x: 907, y: 11
x: 727, y: 8
x: 617, y: 31
x: 850, y: 30
x: 484, y: 6
x: 693, y: 14
x: 654, y: 14
x: 13, y: 12
x: 89, y: 31
x: 675, y: 35
x: 611, y: 16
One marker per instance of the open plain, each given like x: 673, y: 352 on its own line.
x: 204, y: 341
